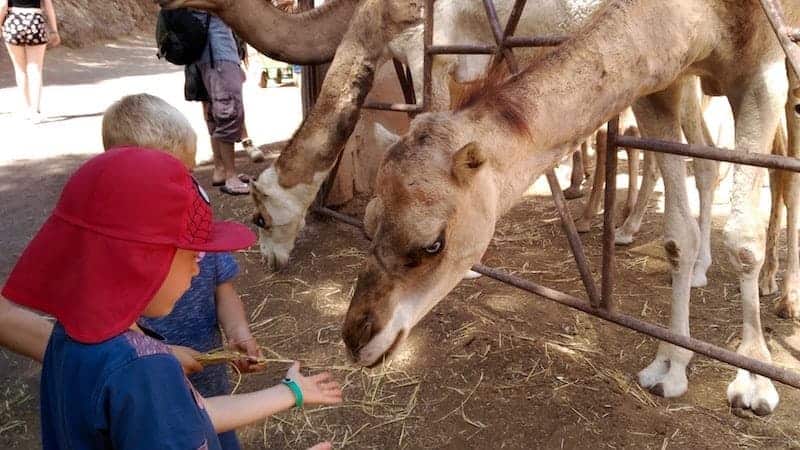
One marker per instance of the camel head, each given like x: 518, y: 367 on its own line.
x: 431, y: 220
x: 279, y: 215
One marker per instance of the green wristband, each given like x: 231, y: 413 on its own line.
x: 295, y: 388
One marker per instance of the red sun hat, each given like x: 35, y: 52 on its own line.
x: 109, y: 243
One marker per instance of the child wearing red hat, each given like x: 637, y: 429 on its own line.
x: 117, y: 246
x: 211, y: 306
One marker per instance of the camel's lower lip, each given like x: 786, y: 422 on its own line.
x: 388, y: 353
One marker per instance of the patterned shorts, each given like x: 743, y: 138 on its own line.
x: 24, y: 28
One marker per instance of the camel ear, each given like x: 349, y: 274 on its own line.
x: 372, y: 215
x: 466, y: 162
x: 383, y: 137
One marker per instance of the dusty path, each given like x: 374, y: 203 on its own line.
x: 80, y: 84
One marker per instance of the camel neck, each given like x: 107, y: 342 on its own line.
x: 630, y: 49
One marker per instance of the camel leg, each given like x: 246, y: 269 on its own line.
x: 756, y: 110
x: 768, y: 283
x: 789, y: 303
x: 633, y: 175
x: 624, y: 234
x: 592, y: 207
x: 576, y: 179
x: 585, y: 156
x: 705, y: 177
x: 705, y: 171
x: 658, y: 117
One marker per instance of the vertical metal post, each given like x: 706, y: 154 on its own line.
x: 405, y: 81
x: 428, y: 58
x: 608, y: 215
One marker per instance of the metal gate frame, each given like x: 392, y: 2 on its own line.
x: 601, y: 303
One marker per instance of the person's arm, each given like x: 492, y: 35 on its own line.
x: 234, y: 323
x: 54, y: 39
x: 231, y: 314
x: 186, y: 356
x: 22, y: 331
x: 232, y: 411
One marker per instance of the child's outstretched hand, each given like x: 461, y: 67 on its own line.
x: 319, y: 389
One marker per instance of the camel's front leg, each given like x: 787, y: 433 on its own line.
x: 657, y: 116
x: 756, y: 109
x: 768, y: 283
x: 575, y: 189
x: 706, y: 171
x: 789, y: 303
x: 592, y: 207
x: 633, y: 222
x: 633, y: 175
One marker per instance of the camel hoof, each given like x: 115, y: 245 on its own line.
x: 572, y: 193
x: 621, y: 238
x: 658, y: 390
x: 787, y: 308
x: 753, y: 392
x: 583, y: 225
x: 767, y: 286
x: 762, y: 409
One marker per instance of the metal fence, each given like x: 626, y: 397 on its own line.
x: 600, y: 302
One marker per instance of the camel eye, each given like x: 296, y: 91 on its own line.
x: 259, y: 221
x: 434, y: 248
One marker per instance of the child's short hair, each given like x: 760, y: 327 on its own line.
x: 144, y: 120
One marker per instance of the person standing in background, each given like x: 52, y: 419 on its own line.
x: 28, y: 27
x: 224, y: 111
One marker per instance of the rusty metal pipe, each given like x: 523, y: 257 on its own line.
x: 399, y: 107
x: 463, y: 49
x: 427, y: 60
x: 536, y: 41
x: 405, y: 86
x: 494, y: 21
x: 704, y: 151
x: 607, y: 285
x: 501, y: 51
x: 574, y: 239
x: 774, y: 12
x: 782, y: 375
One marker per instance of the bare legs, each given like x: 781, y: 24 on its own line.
x: 28, y: 62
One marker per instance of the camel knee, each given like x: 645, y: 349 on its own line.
x: 746, y: 255
x: 682, y: 251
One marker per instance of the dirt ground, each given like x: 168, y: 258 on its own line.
x: 489, y: 367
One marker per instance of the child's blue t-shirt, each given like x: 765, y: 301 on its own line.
x: 193, y: 321
x: 128, y: 392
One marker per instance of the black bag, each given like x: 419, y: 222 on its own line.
x: 194, y: 90
x: 181, y: 37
